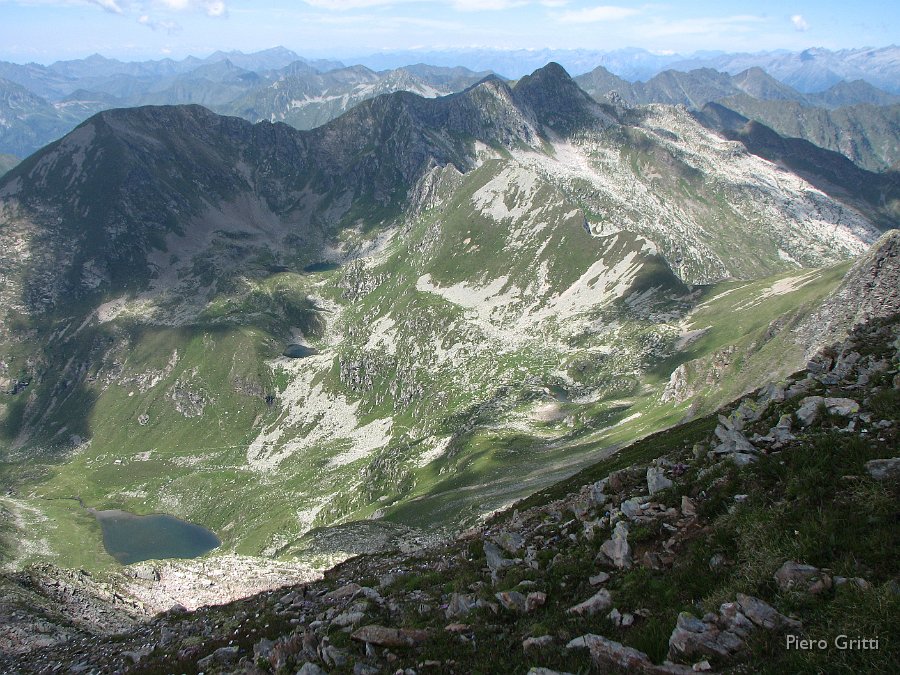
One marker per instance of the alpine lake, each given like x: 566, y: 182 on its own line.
x: 130, y: 538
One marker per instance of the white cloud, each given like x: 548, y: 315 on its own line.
x: 209, y: 7
x: 342, y: 5
x: 597, y: 14
x: 479, y: 5
x: 213, y: 8
x: 153, y: 24
x: 109, y: 5
x: 459, y: 5
x: 800, y: 23
x: 712, y: 25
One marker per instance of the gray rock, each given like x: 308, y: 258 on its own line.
x: 537, y: 642
x: 599, y: 602
x: 798, y: 577
x: 545, y: 671
x: 535, y: 600
x: 511, y: 542
x: 496, y: 561
x: 732, y: 619
x: 349, y: 618
x: 732, y: 441
x: 692, y: 639
x: 764, y: 615
x: 884, y: 469
x: 309, y: 668
x: 688, y: 508
x: 771, y: 392
x: 631, y: 508
x: 615, y: 616
x: 616, y: 549
x: 382, y: 636
x: 859, y: 582
x: 656, y: 480
x: 347, y: 591
x: 596, y: 496
x: 221, y: 655
x: 609, y: 655
x: 511, y: 600
x: 841, y: 406
x: 742, y: 459
x: 599, y: 578
x: 809, y: 409
x: 459, y: 605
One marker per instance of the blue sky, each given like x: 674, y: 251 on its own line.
x: 47, y: 30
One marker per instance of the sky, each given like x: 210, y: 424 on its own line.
x: 44, y: 31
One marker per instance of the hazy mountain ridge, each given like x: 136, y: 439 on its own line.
x: 854, y: 119
x: 808, y: 71
x: 697, y: 87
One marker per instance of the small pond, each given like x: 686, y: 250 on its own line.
x: 323, y: 266
x: 299, y: 351
x: 130, y: 538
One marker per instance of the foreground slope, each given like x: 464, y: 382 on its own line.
x: 394, y: 323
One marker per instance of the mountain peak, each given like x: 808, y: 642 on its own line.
x: 556, y: 100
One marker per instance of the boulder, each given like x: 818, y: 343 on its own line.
x: 656, y: 480
x: 841, y: 406
x: 732, y: 441
x: 343, y: 592
x: 693, y: 639
x: 609, y: 655
x: 808, y: 412
x: 884, y: 469
x: 537, y: 642
x: 382, y: 636
x: 764, y: 615
x: 599, y: 602
x: 511, y: 600
x: 616, y: 549
x: 222, y: 655
x: 496, y: 561
x: 798, y: 577
x: 511, y: 542
x: 535, y: 600
x: 599, y: 578
x: 459, y: 605
x: 631, y: 508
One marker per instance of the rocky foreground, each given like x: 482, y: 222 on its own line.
x: 714, y: 546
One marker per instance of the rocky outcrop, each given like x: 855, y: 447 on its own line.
x: 870, y: 290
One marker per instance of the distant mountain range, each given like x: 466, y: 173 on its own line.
x: 808, y: 71
x: 807, y: 95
